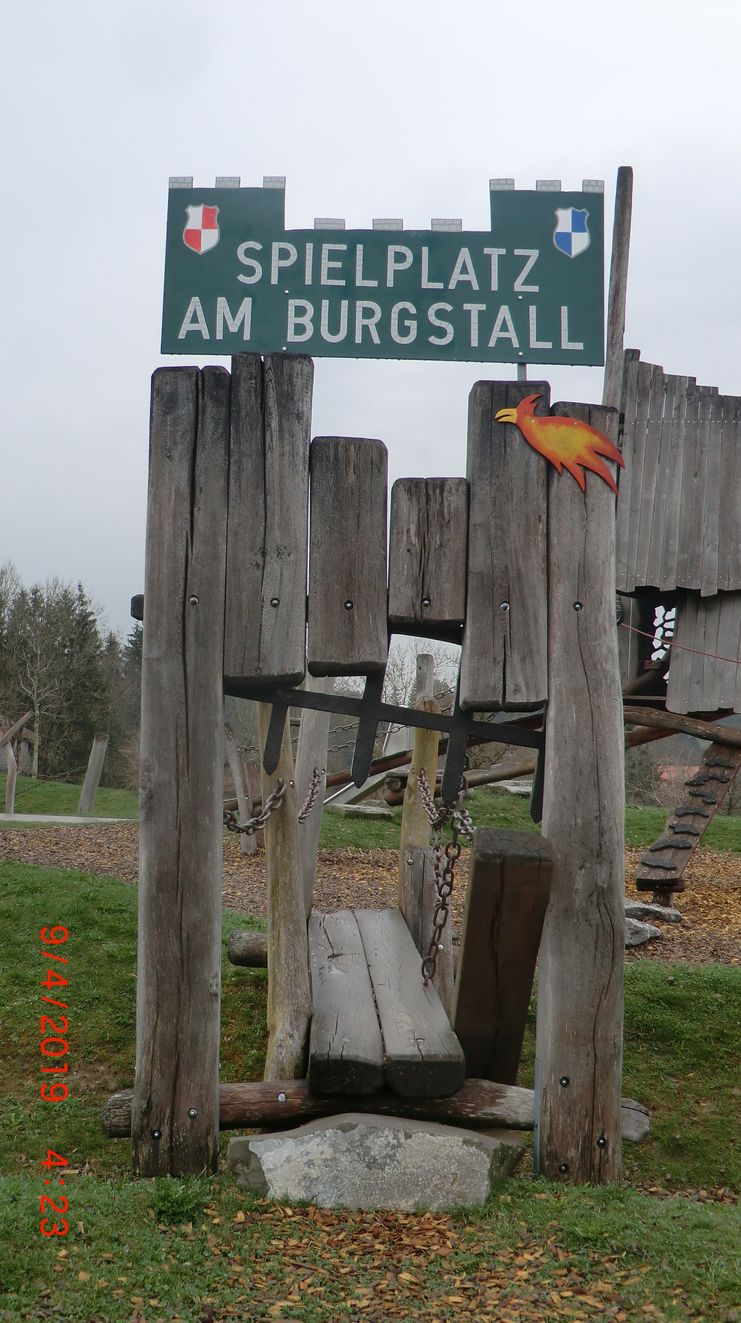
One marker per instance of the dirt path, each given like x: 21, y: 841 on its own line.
x: 711, y: 905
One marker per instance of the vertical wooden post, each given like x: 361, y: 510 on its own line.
x: 175, y: 1113
x: 415, y: 824
x: 247, y: 844
x: 311, y: 753
x: 93, y: 773
x: 12, y: 773
x: 580, y: 968
x: 616, y: 299
x: 417, y: 902
x: 289, y: 993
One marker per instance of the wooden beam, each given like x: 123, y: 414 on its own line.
x: 311, y: 757
x: 13, y: 730
x: 580, y: 965
x: 288, y: 1102
x: 11, y: 775
x: 673, y: 722
x: 415, y: 824
x: 248, y: 948
x: 176, y: 1106
x: 616, y: 299
x: 509, y: 883
x: 93, y: 773
x: 345, y: 1048
x: 247, y: 843
x: 417, y: 903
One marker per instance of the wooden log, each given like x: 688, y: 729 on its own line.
x: 417, y: 902
x: 415, y: 824
x: 348, y: 628
x: 423, y: 1055
x: 175, y: 1119
x: 288, y: 1102
x: 509, y: 883
x: 503, y: 664
x: 311, y: 756
x: 268, y: 516
x: 427, y: 555
x: 247, y: 844
x: 673, y: 722
x: 345, y: 1048
x: 616, y: 299
x: 289, y: 993
x: 10, y: 778
x: 580, y: 965
x: 93, y: 773
x: 248, y: 948
x: 7, y: 735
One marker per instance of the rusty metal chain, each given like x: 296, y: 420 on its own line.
x: 312, y: 793
x: 446, y: 857
x: 252, y: 825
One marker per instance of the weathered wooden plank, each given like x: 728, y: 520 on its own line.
x: 646, y: 375
x: 289, y: 992
x: 423, y: 1055
x: 700, y: 683
x: 10, y: 778
x: 631, y: 457
x: 345, y: 1047
x: 729, y: 536
x: 650, y: 487
x: 248, y: 948
x: 729, y: 647
x: 93, y: 772
x: 427, y: 554
x: 661, y: 509
x: 689, y: 552
x: 477, y: 1103
x: 175, y: 1113
x: 348, y: 628
x: 509, y: 880
x: 503, y: 664
x: 415, y: 823
x: 417, y: 901
x: 672, y: 722
x: 613, y: 379
x: 672, y: 485
x: 268, y: 516
x: 580, y: 965
x: 710, y: 525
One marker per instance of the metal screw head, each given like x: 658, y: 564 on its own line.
x: 193, y: 600
x: 563, y: 1167
x: 192, y: 1112
x: 348, y: 605
x: 427, y: 601
x: 578, y: 606
x: 602, y: 1142
x: 275, y: 601
x: 564, y: 1081
x: 156, y: 1134
x: 504, y: 606
x: 282, y: 1097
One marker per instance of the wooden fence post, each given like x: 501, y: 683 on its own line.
x: 12, y: 772
x: 247, y: 844
x: 289, y: 993
x: 580, y: 967
x: 313, y: 738
x: 417, y: 902
x: 415, y: 824
x: 93, y: 773
x: 175, y: 1115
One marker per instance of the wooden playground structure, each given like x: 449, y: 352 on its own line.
x: 516, y: 563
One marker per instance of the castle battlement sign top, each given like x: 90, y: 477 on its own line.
x: 529, y: 290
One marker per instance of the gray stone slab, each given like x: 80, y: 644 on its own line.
x: 636, y: 933
x: 366, y: 1161
x: 641, y: 909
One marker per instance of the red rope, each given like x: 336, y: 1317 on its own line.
x: 735, y: 661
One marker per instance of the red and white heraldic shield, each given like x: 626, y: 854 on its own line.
x: 201, y: 228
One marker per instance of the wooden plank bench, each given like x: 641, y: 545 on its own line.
x: 375, y: 1024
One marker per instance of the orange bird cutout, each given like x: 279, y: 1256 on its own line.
x: 566, y: 443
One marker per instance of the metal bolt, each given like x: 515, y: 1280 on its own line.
x: 192, y: 1112
x: 348, y: 605
x: 577, y: 606
x: 156, y: 1134
x: 410, y: 859
x: 602, y: 1142
x: 441, y: 946
x: 563, y: 1167
x: 504, y: 606
x: 282, y: 1097
x: 193, y: 600
x: 275, y: 601
x: 427, y: 601
x: 564, y: 1081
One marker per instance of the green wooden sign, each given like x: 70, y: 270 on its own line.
x: 528, y: 290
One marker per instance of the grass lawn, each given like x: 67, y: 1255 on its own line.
x: 200, y: 1250
x: 62, y: 798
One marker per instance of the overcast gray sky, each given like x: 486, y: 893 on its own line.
x: 369, y: 109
